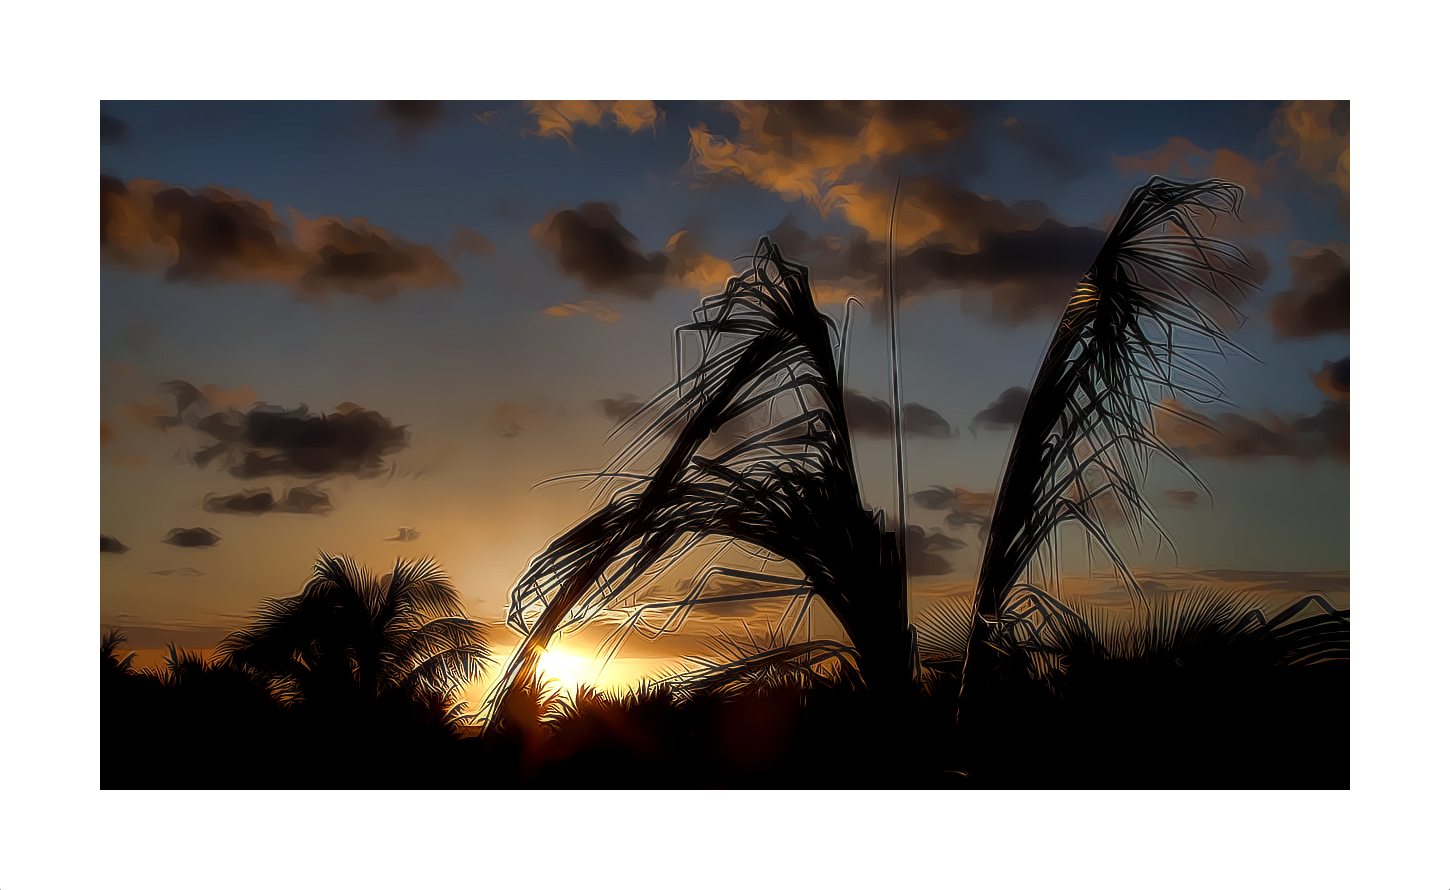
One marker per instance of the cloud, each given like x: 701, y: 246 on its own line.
x: 1332, y: 379
x: 405, y: 536
x: 1019, y: 263
x: 1004, y: 413
x: 1314, y: 137
x: 271, y: 441
x: 805, y: 150
x: 1181, y: 159
x: 212, y: 234
x: 130, y: 460
x: 963, y: 507
x: 924, y: 551
x: 411, y: 116
x: 590, y: 244
x: 183, y: 572
x: 592, y: 308
x: 1045, y: 147
x: 111, y: 545
x: 465, y: 240
x: 1026, y: 273
x: 306, y: 499
x: 620, y: 409
x: 1307, y: 439
x: 869, y: 416
x: 113, y: 130
x: 559, y: 119
x: 1317, y: 301
x: 192, y: 537
x: 1185, y: 500
x: 108, y: 432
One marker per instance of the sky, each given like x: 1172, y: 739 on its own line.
x: 469, y: 296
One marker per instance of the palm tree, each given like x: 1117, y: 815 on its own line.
x: 351, y: 639
x: 1128, y: 337
x: 785, y: 490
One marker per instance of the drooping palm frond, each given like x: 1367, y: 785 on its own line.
x: 1130, y: 334
x: 352, y: 636
x: 787, y: 485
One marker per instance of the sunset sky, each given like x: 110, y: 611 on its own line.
x: 472, y: 294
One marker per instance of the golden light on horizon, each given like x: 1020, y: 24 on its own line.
x: 561, y: 668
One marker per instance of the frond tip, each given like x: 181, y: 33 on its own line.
x: 1127, y: 338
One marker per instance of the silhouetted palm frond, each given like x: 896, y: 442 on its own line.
x: 786, y: 485
x: 1129, y: 336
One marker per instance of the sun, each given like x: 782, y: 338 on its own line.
x: 560, y: 667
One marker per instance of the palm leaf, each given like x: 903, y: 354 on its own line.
x: 789, y: 487
x: 1128, y: 337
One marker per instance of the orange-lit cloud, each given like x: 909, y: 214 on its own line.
x: 214, y: 234
x: 1314, y: 137
x: 592, y: 308
x: 1180, y: 158
x: 130, y: 460
x: 1317, y: 301
x: 558, y: 119
x: 818, y: 151
x: 108, y: 432
x: 592, y: 245
x: 465, y: 240
x: 1332, y: 379
x: 1183, y: 500
x: 1236, y: 437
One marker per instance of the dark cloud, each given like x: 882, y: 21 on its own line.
x: 192, y: 537
x: 1183, y: 499
x: 923, y: 551
x: 1027, y: 273
x: 213, y: 234
x: 1002, y: 414
x: 869, y: 416
x: 1045, y: 148
x: 465, y: 240
x: 1333, y: 379
x: 113, y: 130
x: 306, y: 499
x: 405, y: 536
x: 620, y: 409
x: 591, y: 245
x: 271, y: 441
x: 411, y: 116
x: 1235, y: 437
x: 1317, y: 301
x: 183, y: 572
x: 963, y: 507
x: 111, y: 545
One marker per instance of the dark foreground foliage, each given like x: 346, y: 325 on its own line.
x: 1233, y: 708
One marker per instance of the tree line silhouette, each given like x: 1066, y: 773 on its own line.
x: 353, y: 682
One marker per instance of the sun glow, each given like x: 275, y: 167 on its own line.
x: 561, y: 668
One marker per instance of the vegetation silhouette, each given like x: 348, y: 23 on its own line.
x: 1127, y: 338
x: 353, y: 682
x: 787, y: 492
